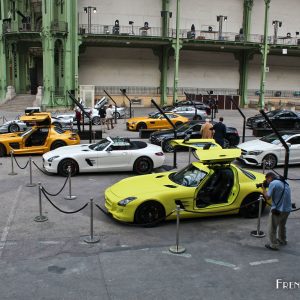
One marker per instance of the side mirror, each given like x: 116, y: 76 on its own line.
x: 289, y: 144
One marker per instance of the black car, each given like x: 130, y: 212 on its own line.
x: 192, y: 128
x: 281, y: 119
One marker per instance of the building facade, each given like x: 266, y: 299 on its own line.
x: 88, y: 46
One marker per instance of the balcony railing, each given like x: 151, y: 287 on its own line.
x: 59, y: 27
x: 24, y: 27
x: 97, y: 29
x: 120, y: 30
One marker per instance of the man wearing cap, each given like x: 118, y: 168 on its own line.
x: 205, y: 131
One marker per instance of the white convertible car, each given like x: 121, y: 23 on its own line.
x: 108, y: 155
x: 270, y: 151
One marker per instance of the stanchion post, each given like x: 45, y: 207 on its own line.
x: 30, y: 184
x: 12, y: 163
x: 70, y: 197
x: 190, y: 151
x: 258, y: 233
x: 264, y: 166
x: 94, y: 136
x: 40, y: 218
x: 92, y: 239
x: 177, y: 249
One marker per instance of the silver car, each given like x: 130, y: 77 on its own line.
x: 190, y: 112
x: 17, y: 125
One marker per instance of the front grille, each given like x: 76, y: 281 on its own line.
x: 244, y: 152
x: 108, y: 203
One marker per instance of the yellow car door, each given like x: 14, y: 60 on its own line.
x: 36, y: 142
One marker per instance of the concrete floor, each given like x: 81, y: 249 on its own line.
x: 50, y: 260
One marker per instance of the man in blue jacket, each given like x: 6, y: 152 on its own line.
x: 280, y: 193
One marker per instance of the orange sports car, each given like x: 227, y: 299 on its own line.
x: 156, y: 121
x: 40, y: 137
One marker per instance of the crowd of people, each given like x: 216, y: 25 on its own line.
x: 105, y: 113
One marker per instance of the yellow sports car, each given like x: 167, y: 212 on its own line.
x: 38, y: 139
x: 212, y: 186
x: 156, y: 121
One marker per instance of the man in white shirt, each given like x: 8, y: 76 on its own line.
x: 109, y: 117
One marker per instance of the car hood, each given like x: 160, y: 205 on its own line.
x: 165, y: 133
x: 144, y: 185
x: 67, y: 150
x: 9, y: 136
x: 257, y: 145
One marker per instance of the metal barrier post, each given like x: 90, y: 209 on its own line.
x: 70, y: 197
x: 30, y: 184
x: 92, y: 239
x: 40, y: 218
x: 190, y: 151
x: 94, y: 136
x: 177, y: 249
x: 12, y: 163
x: 264, y: 166
x: 258, y: 233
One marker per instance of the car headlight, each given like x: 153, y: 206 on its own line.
x: 257, y: 152
x: 52, y: 158
x: 125, y: 201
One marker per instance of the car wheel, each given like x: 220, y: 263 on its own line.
x: 149, y: 213
x: 13, y: 127
x: 226, y: 144
x: 297, y: 125
x: 270, y: 161
x: 167, y: 147
x: 65, y: 164
x: 96, y: 120
x: 57, y: 144
x: 117, y: 114
x: 140, y: 126
x: 143, y: 165
x: 56, y: 124
x: 250, y: 207
x: 2, y: 150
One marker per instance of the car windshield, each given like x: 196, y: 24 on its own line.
x: 183, y: 127
x: 100, y: 146
x: 272, y: 113
x: 155, y: 116
x: 247, y: 173
x: 273, y: 138
x: 189, y: 176
x: 59, y: 130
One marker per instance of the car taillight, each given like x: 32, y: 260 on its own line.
x: 159, y: 153
x: 73, y: 138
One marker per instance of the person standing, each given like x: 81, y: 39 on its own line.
x: 109, y: 116
x: 102, y: 114
x: 219, y: 132
x: 78, y: 118
x: 206, y: 130
x: 280, y: 193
